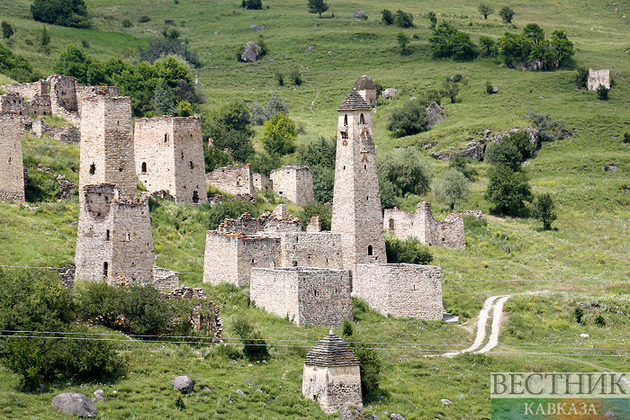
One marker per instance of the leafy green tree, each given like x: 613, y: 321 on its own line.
x: 460, y: 163
x: 602, y: 92
x: 505, y: 153
x: 409, y: 252
x: 406, y: 170
x: 534, y: 33
x: 447, y: 41
x: 487, y: 45
x: 7, y: 30
x: 279, y: 135
x: 163, y: 99
x: 545, y: 210
x: 252, y: 4
x: 215, y: 157
x: 16, y: 66
x: 451, y: 187
x: 317, y: 6
x: 522, y: 143
x: 507, y: 190
x: 403, y: 19
x: 72, y: 13
x: 45, y: 39
x: 513, y: 48
x: 410, y: 119
x: 485, y: 10
x: 432, y: 19
x: 507, y: 14
x: 451, y: 89
x: 320, y: 157
x: 387, y: 17
x: 403, y: 41
x: 230, y: 129
x: 316, y: 209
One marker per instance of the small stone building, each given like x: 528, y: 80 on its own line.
x: 306, y: 295
x: 232, y: 179
x: 11, y: 166
x: 295, y: 183
x: 169, y: 157
x: 424, y: 228
x: 598, y: 77
x: 401, y: 290
x: 331, y: 374
x: 262, y: 183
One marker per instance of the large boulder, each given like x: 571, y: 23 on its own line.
x: 389, y: 93
x: 75, y: 404
x: 435, y: 114
x: 251, y: 52
x: 351, y: 411
x: 183, y: 384
x: 361, y: 15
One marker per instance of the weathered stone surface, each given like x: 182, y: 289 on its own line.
x: 351, y: 411
x: 295, y: 183
x: 12, y: 168
x: 435, y: 114
x: 257, y: 28
x: 473, y: 150
x: 232, y: 179
x: 389, y: 93
x: 495, y: 90
x: 598, y: 77
x: 241, y: 393
x: 395, y: 416
x: 251, y: 52
x: 361, y: 15
x: 610, y: 168
x: 446, y: 401
x: 75, y: 404
x: 99, y: 395
x: 183, y: 384
x: 309, y: 49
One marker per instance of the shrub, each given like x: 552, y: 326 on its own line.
x: 578, y: 314
x: 387, y: 17
x: 229, y: 127
x: 410, y: 252
x: 296, y: 77
x: 522, y: 143
x: 507, y: 190
x: 546, y: 128
x: 406, y: 170
x: 315, y: 209
x: 161, y: 48
x: 403, y: 19
x: 259, y: 114
x: 451, y: 90
x: 346, y: 328
x: 126, y: 23
x: 215, y: 157
x: 71, y: 13
x: 144, y: 19
x: 507, y: 14
x: 254, y: 346
x: 602, y: 92
x: 320, y: 156
x: 545, y: 210
x: 489, y: 88
x: 600, y: 321
x: 370, y: 368
x: 7, y: 30
x: 447, y: 41
x: 451, y: 187
x: 41, y: 186
x: 460, y: 163
x: 485, y: 10
x: 581, y: 78
x: 279, y: 135
x: 252, y: 4
x: 317, y: 6
x: 403, y: 41
x: 432, y: 19
x: 85, y: 43
x: 410, y: 119
x: 279, y: 77
x: 505, y: 153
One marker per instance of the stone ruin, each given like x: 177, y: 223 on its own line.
x: 169, y: 157
x: 12, y: 167
x: 331, y: 374
x: 423, y: 227
x: 233, y: 179
x: 598, y: 77
x: 206, y: 314
x: 295, y: 183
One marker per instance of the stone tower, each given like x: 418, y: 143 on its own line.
x: 356, y: 213
x: 295, y: 183
x: 107, y: 154
x: 367, y: 89
x: 331, y: 374
x: 11, y: 166
x: 114, y: 237
x: 169, y: 157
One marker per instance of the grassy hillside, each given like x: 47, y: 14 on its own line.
x: 585, y: 257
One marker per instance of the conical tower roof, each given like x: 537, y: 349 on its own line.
x: 354, y: 102
x: 364, y: 83
x: 331, y: 351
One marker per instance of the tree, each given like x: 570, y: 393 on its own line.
x: 408, y: 120
x: 545, y: 210
x: 487, y: 45
x: 432, y: 19
x: 72, y: 13
x: 485, y: 10
x: 406, y: 170
x: 447, y: 41
x: 317, y: 6
x: 513, y: 48
x: 45, y: 39
x: 7, y: 30
x: 451, y: 89
x: 279, y: 135
x: 252, y: 4
x: 407, y: 252
x: 507, y: 14
x: 534, y: 33
x: 320, y: 157
x: 505, y: 153
x: 163, y: 99
x: 229, y: 127
x: 388, y: 17
x: 316, y: 209
x: 451, y: 187
x: 460, y: 163
x: 403, y: 19
x: 602, y: 92
x: 507, y: 190
x: 403, y: 41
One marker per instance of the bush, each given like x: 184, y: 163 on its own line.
x: 485, y: 10
x: 41, y: 186
x: 507, y: 190
x: 160, y: 48
x: 71, y: 13
x: 489, y: 88
x: 578, y: 314
x: 507, y: 14
x: 546, y: 128
x: 460, y: 163
x: 600, y: 321
x: 406, y: 170
x: 259, y: 114
x: 522, y: 143
x: 602, y: 92
x: 450, y: 42
x: 451, y: 187
x: 315, y: 209
x: 229, y: 127
x: 252, y: 4
x: 581, y: 78
x: 410, y: 119
x: 320, y: 157
x: 347, y: 329
x: 230, y: 209
x: 279, y: 77
x: 505, y: 153
x: 254, y: 346
x: 451, y: 90
x: 279, y: 135
x: 7, y: 30
x: 370, y: 368
x: 215, y: 157
x: 432, y: 19
x: 144, y: 19
x: 410, y: 252
x: 545, y: 210
x: 126, y: 23
x: 295, y: 77
x: 11, y: 63
x: 387, y: 17
x: 403, y: 19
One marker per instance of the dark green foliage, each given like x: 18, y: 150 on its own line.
x: 370, y: 368
x: 262, y: 163
x: 279, y: 135
x: 485, y: 10
x: 215, y: 157
x: 471, y: 222
x: 295, y: 77
x: 578, y: 314
x: 505, y: 153
x: 461, y: 163
x: 410, y: 119
x: 252, y: 4
x: 387, y: 17
x: 34, y: 301
x: 346, y: 328
x: 626, y: 137
x: 602, y: 92
x: 279, y: 77
x: 144, y: 19
x: 254, y: 346
x: 230, y: 209
x: 229, y: 127
x: 507, y: 191
x: 403, y: 41
x: 161, y: 48
x: 179, y: 403
x: 487, y: 45
x: 126, y: 23
x: 545, y: 210
x: 531, y: 46
x: 16, y: 66
x: 600, y: 321
x: 260, y: 114
x: 45, y: 38
x: 7, y: 30
x: 522, y: 143
x: 164, y: 99
x: 534, y: 33
x: 403, y: 19
x: 513, y: 48
x: 447, y: 41
x: 432, y: 19
x: 489, y: 88
x: 71, y: 13
x: 320, y: 157
x: 410, y: 252
x: 507, y: 14
x: 41, y: 186
x: 581, y: 78
x: 547, y: 129
x: 171, y: 34
x: 389, y: 194
x: 315, y: 209
x: 317, y: 6
x: 406, y: 170
x: 85, y: 43
x: 451, y: 89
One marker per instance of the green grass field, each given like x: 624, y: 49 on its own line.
x: 584, y: 260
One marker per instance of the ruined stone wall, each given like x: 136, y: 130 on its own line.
x: 114, y: 237
x: 278, y: 221
x: 13, y: 103
x: 11, y: 164
x: 423, y: 227
x: 332, y: 387
x: 190, y: 169
x: 295, y: 183
x: 84, y: 91
x: 310, y: 249
x: 233, y: 179
x: 401, y: 290
x: 165, y: 279
x: 107, y: 151
x: 63, y: 94
x: 262, y: 183
x: 28, y: 90
x: 40, y: 105
x: 598, y: 77
x: 309, y: 296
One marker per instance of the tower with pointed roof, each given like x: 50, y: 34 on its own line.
x: 356, y: 211
x: 331, y: 374
x: 367, y: 89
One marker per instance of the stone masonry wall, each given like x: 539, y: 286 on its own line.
x: 598, y: 77
x: 311, y: 249
x: 332, y: 387
x: 295, y: 183
x: 233, y: 179
x: 190, y: 167
x: 401, y: 290
x: 14, y: 102
x: 11, y: 165
x: 262, y: 183
x: 28, y: 90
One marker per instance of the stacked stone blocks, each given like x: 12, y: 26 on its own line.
x: 295, y: 183
x: 11, y: 164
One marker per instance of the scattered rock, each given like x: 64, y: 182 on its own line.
x: 257, y: 28
x: 41, y: 388
x: 389, y: 93
x: 329, y: 52
x: 99, y: 395
x: 495, y: 90
x: 183, y: 384
x: 271, y: 60
x: 487, y: 132
x: 241, y: 393
x: 351, y: 411
x: 395, y: 416
x: 458, y: 68
x: 205, y: 389
x: 446, y: 401
x: 413, y: 36
x: 610, y: 168
x: 541, y: 97
x: 413, y: 98
x: 585, y: 335
x: 361, y: 15
x: 251, y: 52
x: 245, y: 197
x: 76, y: 404
x: 609, y: 415
x: 309, y: 49
x: 216, y: 32
x: 435, y: 114
x: 260, y: 391
x: 473, y: 150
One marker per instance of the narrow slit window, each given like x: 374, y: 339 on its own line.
x: 370, y: 250
x: 144, y: 167
x: 105, y: 269
x: 361, y: 119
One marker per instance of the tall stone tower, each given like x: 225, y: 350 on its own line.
x: 107, y: 154
x: 356, y: 211
x: 367, y: 89
x: 11, y: 166
x: 169, y: 157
